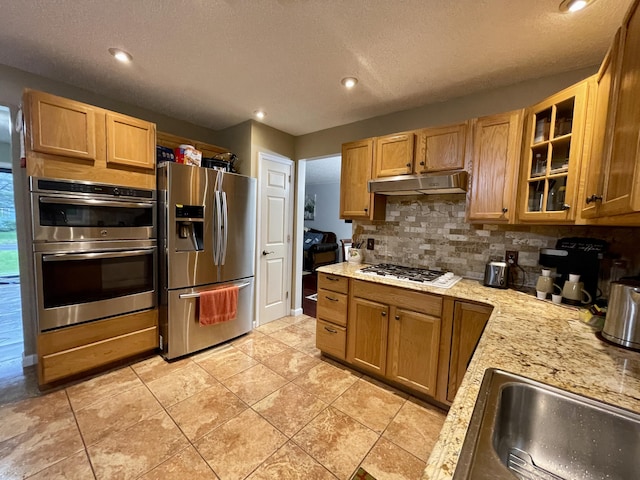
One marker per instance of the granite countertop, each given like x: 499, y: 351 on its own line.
x: 529, y: 337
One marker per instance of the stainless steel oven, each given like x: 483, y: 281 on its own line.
x: 80, y: 211
x: 94, y: 249
x: 83, y: 281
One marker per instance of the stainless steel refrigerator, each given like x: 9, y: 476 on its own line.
x: 207, y: 232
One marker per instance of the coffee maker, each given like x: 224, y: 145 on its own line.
x: 581, y: 256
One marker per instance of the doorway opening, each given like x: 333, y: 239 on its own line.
x: 11, y: 332
x: 322, y: 229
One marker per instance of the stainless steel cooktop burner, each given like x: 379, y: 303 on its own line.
x: 413, y: 274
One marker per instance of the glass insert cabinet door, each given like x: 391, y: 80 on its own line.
x: 550, y: 163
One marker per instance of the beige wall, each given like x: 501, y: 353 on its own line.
x: 238, y: 140
x: 328, y: 142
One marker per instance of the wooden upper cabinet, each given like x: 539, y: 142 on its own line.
x: 130, y: 142
x: 620, y: 190
x: 552, y: 155
x: 409, y: 361
x: 442, y: 148
x: 63, y: 127
x: 600, y: 152
x: 355, y: 200
x: 496, y: 157
x: 394, y: 154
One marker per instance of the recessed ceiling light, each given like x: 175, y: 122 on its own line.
x: 570, y: 6
x: 260, y: 114
x: 349, y: 82
x: 121, y: 55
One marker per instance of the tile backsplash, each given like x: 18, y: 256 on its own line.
x: 431, y: 231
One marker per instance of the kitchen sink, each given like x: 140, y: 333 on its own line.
x: 521, y: 428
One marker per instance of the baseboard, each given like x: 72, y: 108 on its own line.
x: 29, y: 360
x: 296, y: 311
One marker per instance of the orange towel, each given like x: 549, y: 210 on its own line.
x: 218, y: 305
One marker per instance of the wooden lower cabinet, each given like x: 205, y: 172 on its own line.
x: 69, y: 351
x: 367, y: 338
x: 469, y: 320
x: 395, y: 333
x: 412, y: 353
x: 331, y: 339
x: 331, y: 313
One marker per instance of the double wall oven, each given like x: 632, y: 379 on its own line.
x: 94, y: 248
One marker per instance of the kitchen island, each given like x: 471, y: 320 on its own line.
x: 529, y: 337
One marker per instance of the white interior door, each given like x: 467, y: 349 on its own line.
x: 274, y: 247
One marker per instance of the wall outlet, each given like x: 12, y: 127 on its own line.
x: 370, y: 243
x: 511, y: 257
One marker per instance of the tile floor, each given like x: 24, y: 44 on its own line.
x: 265, y: 406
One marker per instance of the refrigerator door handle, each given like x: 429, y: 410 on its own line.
x: 197, y: 294
x: 223, y: 228
x: 217, y: 215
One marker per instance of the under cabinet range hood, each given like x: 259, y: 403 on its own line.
x: 432, y: 183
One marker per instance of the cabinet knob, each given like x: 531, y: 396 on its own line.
x: 408, y: 165
x: 505, y: 209
x: 384, y: 314
x: 366, y: 209
x: 422, y: 163
x: 594, y: 198
x: 397, y: 317
x: 565, y: 206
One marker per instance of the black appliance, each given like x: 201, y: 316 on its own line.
x: 581, y: 256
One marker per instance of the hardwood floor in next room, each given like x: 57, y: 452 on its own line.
x: 264, y: 406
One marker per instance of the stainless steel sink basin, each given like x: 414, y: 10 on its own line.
x: 525, y: 429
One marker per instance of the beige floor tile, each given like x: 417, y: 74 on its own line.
x: 102, y: 387
x: 18, y: 417
x: 262, y: 348
x: 236, y: 448
x: 274, y: 326
x: 156, y: 367
x: 337, y: 441
x: 387, y: 460
x: 226, y: 362
x: 293, y: 335
x: 307, y: 323
x: 140, y: 448
x: 180, y: 384
x: 291, y: 363
x: 255, y: 383
x: 186, y: 465
x: 40, y: 447
x: 326, y: 381
x: 309, y: 347
x: 247, y: 338
x: 116, y: 413
x: 416, y: 428
x: 289, y: 408
x: 291, y: 463
x: 206, y: 410
x: 372, y: 404
x: 75, y: 467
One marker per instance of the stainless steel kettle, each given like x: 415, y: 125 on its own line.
x: 622, y: 324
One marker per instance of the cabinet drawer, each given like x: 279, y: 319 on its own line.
x: 334, y: 283
x: 331, y: 338
x: 332, y: 306
x: 422, y: 302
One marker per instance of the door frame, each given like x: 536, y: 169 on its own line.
x: 273, y: 157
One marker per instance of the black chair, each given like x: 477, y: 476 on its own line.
x: 320, y: 248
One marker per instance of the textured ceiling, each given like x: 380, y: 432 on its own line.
x: 213, y: 62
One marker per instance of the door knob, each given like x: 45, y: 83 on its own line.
x: 264, y: 252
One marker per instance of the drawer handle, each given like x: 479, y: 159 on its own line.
x: 330, y: 330
x: 333, y: 279
x: 331, y: 298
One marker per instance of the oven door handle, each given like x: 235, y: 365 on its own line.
x: 94, y: 202
x: 61, y: 257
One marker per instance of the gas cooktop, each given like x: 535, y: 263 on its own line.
x: 422, y: 276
